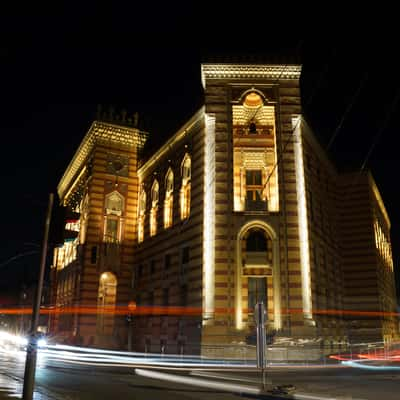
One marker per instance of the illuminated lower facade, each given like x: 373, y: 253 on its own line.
x: 241, y: 205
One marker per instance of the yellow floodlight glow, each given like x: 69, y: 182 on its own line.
x: 303, y: 223
x: 209, y: 220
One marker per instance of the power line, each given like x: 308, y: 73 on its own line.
x: 319, y: 80
x: 3, y: 264
x: 382, y: 128
x: 347, y: 111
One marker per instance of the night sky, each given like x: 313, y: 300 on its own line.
x: 57, y: 64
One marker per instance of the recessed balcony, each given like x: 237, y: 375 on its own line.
x: 256, y: 205
x: 256, y: 259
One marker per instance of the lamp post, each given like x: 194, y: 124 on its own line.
x: 31, y: 351
x: 131, y: 309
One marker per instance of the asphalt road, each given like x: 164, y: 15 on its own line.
x: 65, y: 381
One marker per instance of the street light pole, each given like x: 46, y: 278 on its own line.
x: 31, y: 352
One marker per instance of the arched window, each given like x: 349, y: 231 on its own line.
x: 168, y: 202
x: 142, y: 212
x: 256, y: 241
x: 154, y: 208
x: 185, y: 189
x: 257, y: 249
x: 114, y: 207
x: 84, y: 219
x: 114, y: 203
x: 106, y: 299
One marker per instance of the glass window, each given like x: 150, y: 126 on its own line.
x: 111, y: 232
x: 168, y: 203
x: 257, y: 292
x: 254, y: 186
x: 114, y: 203
x: 256, y: 241
x: 154, y: 194
x: 185, y: 190
x: 167, y: 261
x: 185, y: 255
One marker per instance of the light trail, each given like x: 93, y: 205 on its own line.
x: 176, y: 310
x: 360, y: 365
x: 186, y: 380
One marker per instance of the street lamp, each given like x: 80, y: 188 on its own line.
x: 31, y: 352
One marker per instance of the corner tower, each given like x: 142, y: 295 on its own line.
x: 255, y: 241
x: 91, y: 272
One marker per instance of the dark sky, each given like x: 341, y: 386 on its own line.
x: 58, y: 63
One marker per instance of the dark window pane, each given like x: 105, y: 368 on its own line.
x: 257, y: 292
x: 185, y: 255
x: 256, y: 241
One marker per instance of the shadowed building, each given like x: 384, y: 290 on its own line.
x: 240, y: 205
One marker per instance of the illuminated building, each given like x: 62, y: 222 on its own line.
x: 93, y: 267
x: 240, y: 205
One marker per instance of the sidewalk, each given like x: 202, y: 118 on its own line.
x: 12, y: 389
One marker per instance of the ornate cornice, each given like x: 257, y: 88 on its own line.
x: 257, y: 71
x: 379, y: 200
x: 100, y: 133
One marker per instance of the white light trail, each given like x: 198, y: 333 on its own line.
x: 226, y: 387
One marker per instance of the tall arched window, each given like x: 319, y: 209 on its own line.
x: 154, y: 208
x: 142, y: 212
x: 168, y: 202
x: 106, y: 299
x: 84, y: 219
x: 114, y: 207
x: 257, y: 249
x: 185, y: 189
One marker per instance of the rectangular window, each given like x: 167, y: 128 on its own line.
x: 167, y: 261
x: 254, y: 191
x: 185, y: 255
x: 133, y: 281
x: 152, y: 267
x: 165, y: 296
x: 151, y: 299
x: 93, y: 255
x: 257, y: 292
x: 111, y: 231
x: 184, y: 296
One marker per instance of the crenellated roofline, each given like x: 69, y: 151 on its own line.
x: 257, y: 71
x: 99, y: 133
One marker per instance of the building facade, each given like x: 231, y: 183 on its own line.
x: 241, y: 205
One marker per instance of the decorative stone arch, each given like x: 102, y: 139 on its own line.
x: 169, y: 198
x: 142, y: 201
x: 186, y: 162
x: 275, y: 271
x: 185, y: 191
x: 114, y: 208
x: 169, y: 176
x: 252, y: 90
x: 155, y: 193
x: 84, y: 210
x: 106, y: 301
x: 155, y: 199
x: 114, y: 203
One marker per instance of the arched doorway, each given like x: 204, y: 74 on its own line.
x: 257, y: 274
x: 106, y: 300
